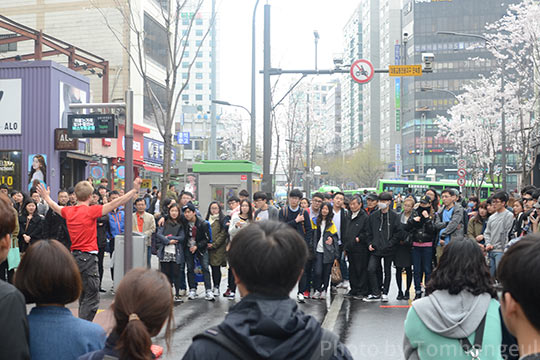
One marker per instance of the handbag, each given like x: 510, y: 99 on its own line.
x: 336, y: 273
x: 14, y: 257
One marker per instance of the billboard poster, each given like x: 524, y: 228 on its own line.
x: 37, y: 170
x: 10, y: 106
x: 69, y: 95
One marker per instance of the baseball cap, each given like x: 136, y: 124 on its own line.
x: 189, y: 206
x: 372, y: 196
x: 385, y: 196
x: 425, y: 200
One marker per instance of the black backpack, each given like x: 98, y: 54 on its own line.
x: 320, y: 353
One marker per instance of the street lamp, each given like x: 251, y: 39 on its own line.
x: 503, y: 117
x: 425, y: 89
x: 252, y: 150
x: 316, y: 36
x: 226, y: 103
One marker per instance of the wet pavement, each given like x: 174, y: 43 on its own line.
x: 369, y: 330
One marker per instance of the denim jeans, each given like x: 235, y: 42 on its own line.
x: 344, y: 266
x: 172, y: 271
x: 421, y: 257
x: 203, y: 260
x: 494, y: 260
x: 322, y: 273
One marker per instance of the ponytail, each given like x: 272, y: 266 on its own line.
x: 134, y: 342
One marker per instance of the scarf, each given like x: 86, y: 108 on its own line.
x: 213, y: 218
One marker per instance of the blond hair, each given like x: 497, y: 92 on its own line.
x: 83, y: 190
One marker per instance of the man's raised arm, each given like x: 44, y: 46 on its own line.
x: 110, y: 206
x: 45, y: 194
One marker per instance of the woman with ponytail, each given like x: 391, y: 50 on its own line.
x: 142, y: 305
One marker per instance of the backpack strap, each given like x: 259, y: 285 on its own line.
x: 323, y: 352
x: 215, y: 335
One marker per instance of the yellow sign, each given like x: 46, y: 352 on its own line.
x: 405, y: 70
x: 146, y: 183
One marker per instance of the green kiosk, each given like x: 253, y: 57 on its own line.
x: 220, y: 179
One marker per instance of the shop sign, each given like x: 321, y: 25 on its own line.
x: 154, y: 150
x: 10, y: 106
x: 62, y: 141
x: 10, y: 169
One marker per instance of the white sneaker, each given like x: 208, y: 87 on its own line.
x: 384, y: 298
x: 323, y: 295
x: 231, y: 295
x: 209, y: 295
x: 343, y: 285
x: 192, y: 295
x: 300, y: 298
x: 316, y: 295
x: 182, y: 292
x: 216, y: 291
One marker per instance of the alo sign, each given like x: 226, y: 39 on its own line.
x: 10, y: 106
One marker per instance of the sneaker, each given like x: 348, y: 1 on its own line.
x: 192, y: 295
x: 400, y: 295
x: 316, y: 295
x: 306, y: 294
x: 384, y: 298
x: 178, y: 299
x: 344, y: 284
x: 323, y: 295
x: 209, y: 295
x: 182, y: 292
x: 372, y: 298
x: 216, y: 292
x: 102, y: 290
x: 231, y: 295
x: 407, y: 295
x: 227, y: 293
x: 300, y: 298
x: 418, y: 295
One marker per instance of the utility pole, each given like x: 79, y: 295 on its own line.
x: 253, y: 141
x: 213, y: 130
x: 307, y: 184
x: 267, y: 130
x: 503, y: 135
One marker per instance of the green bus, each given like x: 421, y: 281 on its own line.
x: 359, y: 191
x: 418, y: 188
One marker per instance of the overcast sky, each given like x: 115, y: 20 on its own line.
x: 293, y: 23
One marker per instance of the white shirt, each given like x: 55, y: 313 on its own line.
x: 337, y: 223
x: 320, y: 244
x: 263, y: 215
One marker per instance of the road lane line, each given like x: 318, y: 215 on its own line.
x: 330, y: 319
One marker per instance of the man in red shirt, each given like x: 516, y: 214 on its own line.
x: 81, y: 224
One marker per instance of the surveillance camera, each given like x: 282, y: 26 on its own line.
x: 338, y: 59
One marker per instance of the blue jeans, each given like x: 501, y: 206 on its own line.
x: 203, y: 260
x: 421, y: 257
x: 321, y: 275
x: 343, y: 266
x: 494, y: 260
x: 149, y: 257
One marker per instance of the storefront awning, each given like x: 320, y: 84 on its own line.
x: 78, y: 156
x: 153, y: 168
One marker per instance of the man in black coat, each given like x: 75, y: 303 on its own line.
x: 267, y: 259
x: 384, y: 232
x: 298, y: 218
x: 356, y: 248
x: 54, y: 226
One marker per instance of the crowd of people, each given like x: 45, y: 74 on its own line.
x: 453, y: 250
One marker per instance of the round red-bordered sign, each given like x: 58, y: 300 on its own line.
x: 461, y: 181
x: 362, y: 71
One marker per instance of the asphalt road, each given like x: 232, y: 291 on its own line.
x: 369, y: 330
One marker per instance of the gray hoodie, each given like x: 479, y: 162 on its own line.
x: 451, y: 316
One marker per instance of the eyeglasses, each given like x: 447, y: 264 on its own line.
x: 527, y: 199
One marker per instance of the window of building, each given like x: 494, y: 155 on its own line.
x: 161, y: 94
x: 198, y: 86
x: 185, y: 97
x: 7, y: 47
x: 198, y: 33
x: 198, y: 97
x: 198, y: 21
x: 199, y: 76
x: 185, y: 75
x: 199, y: 65
x: 155, y: 41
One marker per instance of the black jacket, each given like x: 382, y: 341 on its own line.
x: 34, y: 229
x: 421, y: 231
x: 356, y: 228
x: 202, y: 236
x: 54, y: 227
x: 14, y: 329
x: 102, y: 231
x: 268, y: 328
x: 384, y: 232
x: 288, y: 216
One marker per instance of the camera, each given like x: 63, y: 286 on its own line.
x: 427, y: 59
